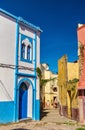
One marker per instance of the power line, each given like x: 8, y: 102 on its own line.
x: 10, y: 66
x: 14, y: 67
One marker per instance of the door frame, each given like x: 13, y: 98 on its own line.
x: 27, y: 81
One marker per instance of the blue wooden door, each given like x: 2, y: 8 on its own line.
x: 23, y: 96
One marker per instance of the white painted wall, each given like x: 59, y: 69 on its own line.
x: 7, y: 56
x: 28, y: 65
x: 26, y: 31
x: 38, y: 65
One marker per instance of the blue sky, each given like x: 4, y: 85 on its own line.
x: 58, y: 19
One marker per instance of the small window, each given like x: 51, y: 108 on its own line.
x: 23, y: 51
x: 28, y: 53
x: 26, y: 49
x: 55, y: 89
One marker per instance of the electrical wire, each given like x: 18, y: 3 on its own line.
x: 14, y: 67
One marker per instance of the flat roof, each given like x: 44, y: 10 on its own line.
x: 20, y: 19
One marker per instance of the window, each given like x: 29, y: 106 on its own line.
x: 28, y: 53
x: 23, y: 51
x: 54, y: 89
x: 26, y: 49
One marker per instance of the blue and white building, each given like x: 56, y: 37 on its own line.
x: 19, y: 57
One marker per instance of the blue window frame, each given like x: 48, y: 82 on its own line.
x: 28, y: 53
x: 23, y: 51
x: 26, y: 49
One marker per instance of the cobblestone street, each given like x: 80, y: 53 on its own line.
x: 50, y: 120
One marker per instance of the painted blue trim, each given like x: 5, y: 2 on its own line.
x: 37, y: 110
x: 25, y: 36
x: 31, y: 40
x: 29, y: 24
x: 33, y: 89
x: 25, y: 60
x: 9, y: 14
x: 6, y: 112
x: 35, y: 54
x: 21, y: 20
x: 27, y: 75
x: 35, y: 42
x: 25, y: 80
x: 37, y: 102
x: 16, y: 71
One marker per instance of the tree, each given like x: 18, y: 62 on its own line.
x: 72, y: 91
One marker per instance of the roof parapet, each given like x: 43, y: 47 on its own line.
x: 20, y: 19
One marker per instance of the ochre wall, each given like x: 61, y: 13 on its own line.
x: 73, y: 70
x: 67, y: 72
x: 62, y: 79
x: 48, y: 94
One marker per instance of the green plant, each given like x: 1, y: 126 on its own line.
x: 80, y: 128
x: 69, y: 123
x: 42, y: 81
x: 73, y: 81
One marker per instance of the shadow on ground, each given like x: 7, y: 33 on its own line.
x: 43, y: 113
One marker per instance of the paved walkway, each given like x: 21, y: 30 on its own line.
x: 50, y: 120
x: 52, y: 115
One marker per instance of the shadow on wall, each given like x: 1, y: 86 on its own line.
x: 5, y: 91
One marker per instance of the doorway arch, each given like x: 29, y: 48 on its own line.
x: 25, y: 99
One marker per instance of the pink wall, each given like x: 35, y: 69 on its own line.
x: 81, y: 34
x: 81, y: 39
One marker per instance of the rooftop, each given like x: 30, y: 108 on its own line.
x: 20, y: 19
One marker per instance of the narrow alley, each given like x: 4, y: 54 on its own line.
x: 52, y: 115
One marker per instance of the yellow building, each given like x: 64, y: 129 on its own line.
x: 68, y: 75
x: 49, y: 92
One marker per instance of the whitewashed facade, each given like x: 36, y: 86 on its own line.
x: 19, y: 57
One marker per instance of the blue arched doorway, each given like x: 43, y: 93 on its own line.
x: 23, y: 99
x: 26, y: 99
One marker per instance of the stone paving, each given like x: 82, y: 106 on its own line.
x: 50, y: 120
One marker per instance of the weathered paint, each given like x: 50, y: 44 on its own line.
x: 68, y: 90
x: 73, y: 70
x: 81, y: 40
x: 81, y: 84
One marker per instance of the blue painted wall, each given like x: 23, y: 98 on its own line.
x: 6, y: 112
x: 15, y: 72
x: 37, y: 110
